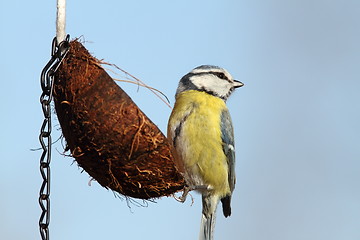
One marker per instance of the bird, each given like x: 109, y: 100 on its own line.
x: 201, y: 132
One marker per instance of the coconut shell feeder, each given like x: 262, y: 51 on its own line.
x: 107, y: 134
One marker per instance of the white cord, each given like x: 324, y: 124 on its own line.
x: 60, y: 20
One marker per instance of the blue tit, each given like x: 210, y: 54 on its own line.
x: 201, y: 132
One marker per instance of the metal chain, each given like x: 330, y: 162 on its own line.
x: 58, y: 52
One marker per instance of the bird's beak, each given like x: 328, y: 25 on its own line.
x: 237, y: 84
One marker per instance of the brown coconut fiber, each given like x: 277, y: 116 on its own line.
x: 107, y: 134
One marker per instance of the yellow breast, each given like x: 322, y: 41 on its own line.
x: 194, y: 127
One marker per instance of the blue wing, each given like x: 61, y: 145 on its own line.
x: 227, y: 137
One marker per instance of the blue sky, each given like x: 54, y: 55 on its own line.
x: 296, y: 119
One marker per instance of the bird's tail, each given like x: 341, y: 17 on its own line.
x: 208, y: 217
x: 207, y: 227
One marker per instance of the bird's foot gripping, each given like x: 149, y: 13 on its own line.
x: 183, y: 197
x: 186, y: 191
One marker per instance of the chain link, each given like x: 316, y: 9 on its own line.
x: 58, y: 52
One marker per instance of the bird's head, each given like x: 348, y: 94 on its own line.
x: 210, y: 79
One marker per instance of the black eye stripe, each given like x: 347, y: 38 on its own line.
x: 218, y: 74
x: 221, y: 76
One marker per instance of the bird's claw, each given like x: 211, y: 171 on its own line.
x: 186, y: 191
x: 182, y: 198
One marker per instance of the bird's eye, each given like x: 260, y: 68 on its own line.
x: 221, y: 75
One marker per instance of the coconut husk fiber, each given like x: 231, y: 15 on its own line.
x: 108, y: 135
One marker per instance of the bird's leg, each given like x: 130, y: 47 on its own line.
x: 202, y: 187
x: 187, y: 189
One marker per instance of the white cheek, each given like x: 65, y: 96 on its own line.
x: 213, y: 84
x: 223, y: 88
